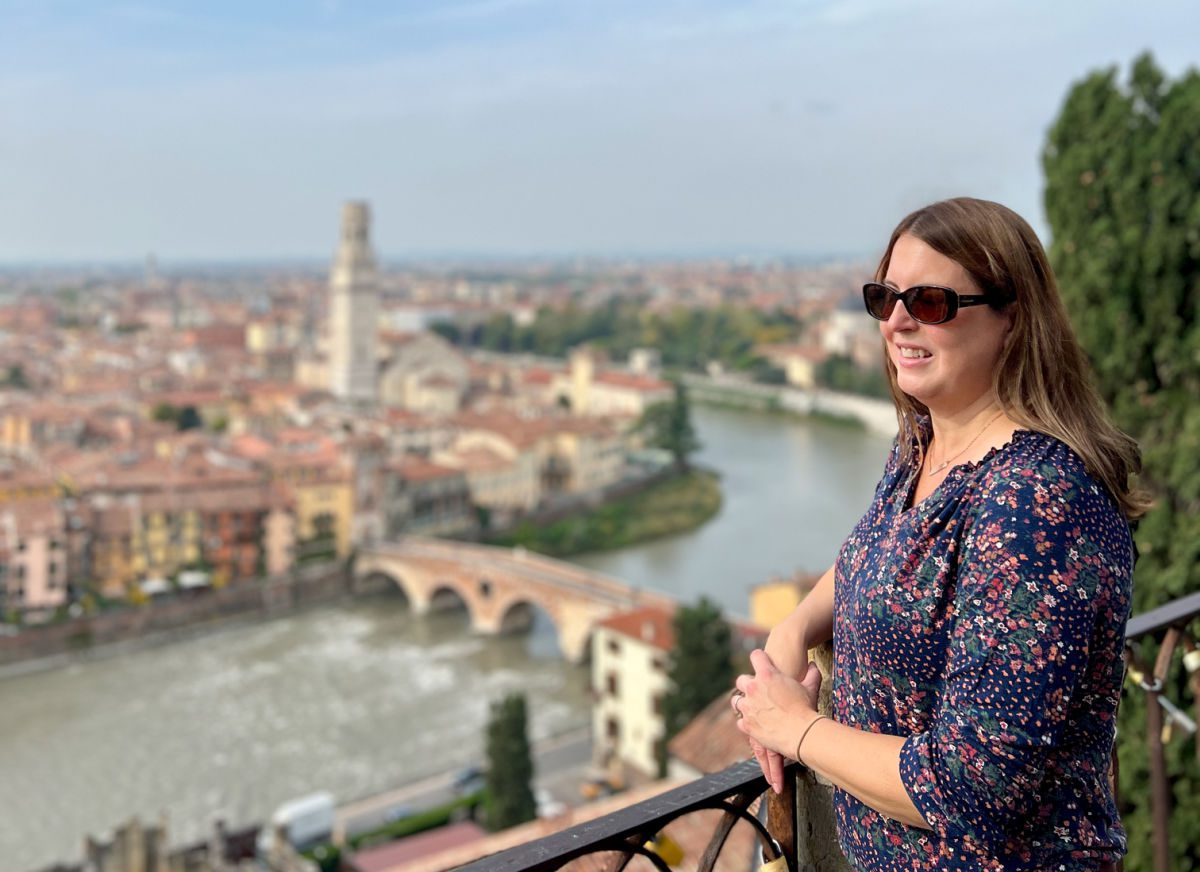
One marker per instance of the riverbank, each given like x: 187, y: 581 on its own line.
x: 871, y: 414
x: 666, y: 508
x: 169, y: 619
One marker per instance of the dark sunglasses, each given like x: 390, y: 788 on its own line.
x: 929, y: 304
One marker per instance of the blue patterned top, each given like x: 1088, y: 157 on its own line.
x: 986, y: 625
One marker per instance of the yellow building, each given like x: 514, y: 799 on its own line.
x: 324, y: 500
x: 163, y: 540
x: 318, y: 478
x: 774, y: 600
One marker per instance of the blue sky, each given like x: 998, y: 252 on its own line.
x: 232, y: 130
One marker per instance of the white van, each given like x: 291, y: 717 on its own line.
x: 305, y: 822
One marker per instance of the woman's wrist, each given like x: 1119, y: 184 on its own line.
x: 806, y: 728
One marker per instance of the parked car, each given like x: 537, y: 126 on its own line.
x: 469, y: 779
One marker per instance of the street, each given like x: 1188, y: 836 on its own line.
x: 560, y: 764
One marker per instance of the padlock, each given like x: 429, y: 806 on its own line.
x: 1135, y: 675
x: 1191, y: 660
x: 779, y: 864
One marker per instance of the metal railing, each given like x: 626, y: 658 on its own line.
x: 625, y: 834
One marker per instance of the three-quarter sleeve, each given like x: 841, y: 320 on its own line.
x: 1030, y: 572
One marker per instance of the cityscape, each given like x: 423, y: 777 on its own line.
x: 412, y: 416
x: 184, y: 450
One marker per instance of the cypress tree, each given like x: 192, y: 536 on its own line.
x: 700, y: 666
x: 509, y: 796
x: 670, y: 427
x: 1122, y: 196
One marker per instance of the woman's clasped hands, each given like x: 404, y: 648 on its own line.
x: 773, y: 710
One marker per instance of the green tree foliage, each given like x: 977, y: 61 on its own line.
x: 15, y: 378
x: 1122, y: 171
x: 189, y: 419
x: 509, y: 796
x: 165, y: 412
x: 669, y: 426
x: 687, y: 338
x: 701, y: 663
x: 840, y: 373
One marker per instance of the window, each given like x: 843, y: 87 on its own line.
x: 612, y: 729
x: 612, y: 684
x: 656, y: 703
x: 614, y: 647
x: 659, y: 664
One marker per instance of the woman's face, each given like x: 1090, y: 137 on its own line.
x: 948, y: 367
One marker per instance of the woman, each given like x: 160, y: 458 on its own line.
x: 977, y: 611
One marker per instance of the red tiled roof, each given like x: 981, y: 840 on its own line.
x: 537, y: 375
x: 632, y: 382
x: 413, y: 468
x: 651, y: 625
x: 477, y: 460
x: 711, y: 741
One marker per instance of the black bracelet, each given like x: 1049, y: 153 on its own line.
x: 804, y: 735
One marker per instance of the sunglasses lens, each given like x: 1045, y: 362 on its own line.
x: 880, y: 301
x: 928, y: 305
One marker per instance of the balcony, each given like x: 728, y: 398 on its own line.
x: 796, y: 828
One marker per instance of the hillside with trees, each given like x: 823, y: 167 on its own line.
x: 1122, y: 167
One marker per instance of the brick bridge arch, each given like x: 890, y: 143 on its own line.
x: 494, y: 581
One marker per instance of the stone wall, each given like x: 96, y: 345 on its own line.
x: 176, y: 612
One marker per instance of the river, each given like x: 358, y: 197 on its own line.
x: 362, y: 696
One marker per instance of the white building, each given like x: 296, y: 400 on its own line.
x: 629, y: 680
x: 353, y: 308
x: 601, y: 393
x: 422, y: 372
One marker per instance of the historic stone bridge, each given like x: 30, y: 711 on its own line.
x: 499, y: 586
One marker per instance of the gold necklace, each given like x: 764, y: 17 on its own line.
x: 949, y: 460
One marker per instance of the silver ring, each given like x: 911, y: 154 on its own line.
x: 737, y: 695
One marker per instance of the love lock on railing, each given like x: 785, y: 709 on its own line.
x: 1163, y: 716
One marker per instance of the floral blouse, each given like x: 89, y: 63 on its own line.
x: 985, y: 625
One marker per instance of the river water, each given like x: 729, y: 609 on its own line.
x: 363, y: 696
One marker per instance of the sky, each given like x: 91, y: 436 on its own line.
x: 215, y: 130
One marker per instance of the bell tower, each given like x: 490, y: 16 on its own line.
x: 353, y: 310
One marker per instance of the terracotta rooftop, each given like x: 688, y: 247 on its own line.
x: 476, y: 460
x: 711, y: 741
x: 629, y: 381
x: 414, y: 468
x: 653, y: 626
x: 691, y: 832
x: 386, y: 857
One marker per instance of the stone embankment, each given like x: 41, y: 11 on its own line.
x: 879, y: 416
x: 166, y: 618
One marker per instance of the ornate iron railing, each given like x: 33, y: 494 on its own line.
x: 625, y: 833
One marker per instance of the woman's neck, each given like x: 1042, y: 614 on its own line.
x: 954, y: 430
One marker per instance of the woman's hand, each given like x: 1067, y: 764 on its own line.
x: 775, y: 708
x: 791, y: 657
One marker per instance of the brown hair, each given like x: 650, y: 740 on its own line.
x: 1043, y: 378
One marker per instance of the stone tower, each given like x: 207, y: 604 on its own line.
x: 353, y: 310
